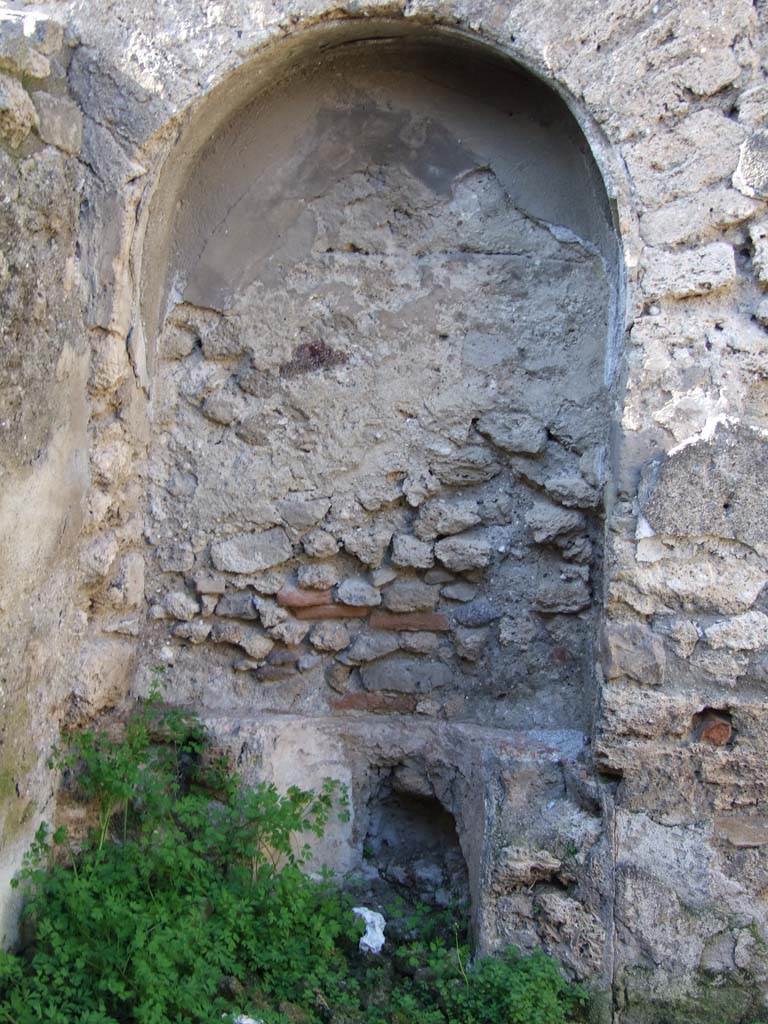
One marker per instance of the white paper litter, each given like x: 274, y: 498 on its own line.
x: 373, y: 940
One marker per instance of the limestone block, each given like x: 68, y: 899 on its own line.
x: 291, y: 632
x: 513, y: 432
x: 17, y: 113
x: 751, y: 176
x: 696, y: 218
x: 409, y: 551
x: 253, y: 641
x: 410, y: 596
x: 370, y: 646
x: 17, y: 55
x: 318, y: 577
x: 358, y: 593
x: 319, y: 544
x: 469, y: 551
x: 405, y: 674
x: 329, y: 636
x: 237, y: 604
x: 712, y: 487
x: 759, y: 236
x: 252, y: 552
x: 441, y: 517
x: 180, y: 605
x: 683, y: 275
x: 746, y: 632
x: 61, y: 123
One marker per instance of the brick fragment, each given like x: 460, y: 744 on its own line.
x: 331, y: 611
x: 295, y: 597
x: 376, y: 703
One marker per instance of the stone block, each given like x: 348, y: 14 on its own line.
x: 684, y: 275
x: 61, y: 123
x: 17, y: 113
x: 252, y: 552
x: 406, y: 674
x: 410, y: 596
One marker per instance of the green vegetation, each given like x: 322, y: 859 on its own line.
x: 188, y: 903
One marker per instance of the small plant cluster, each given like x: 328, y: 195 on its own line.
x: 188, y: 903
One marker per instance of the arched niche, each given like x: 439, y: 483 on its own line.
x: 380, y: 287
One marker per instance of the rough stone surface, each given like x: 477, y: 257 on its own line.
x: 409, y: 292
x: 251, y: 552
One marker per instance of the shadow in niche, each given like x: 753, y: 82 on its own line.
x: 412, y: 846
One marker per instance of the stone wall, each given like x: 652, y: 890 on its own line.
x: 145, y: 491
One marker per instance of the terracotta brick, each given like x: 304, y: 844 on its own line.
x: 331, y: 611
x: 430, y: 621
x: 295, y: 597
x: 377, y: 703
x: 715, y: 729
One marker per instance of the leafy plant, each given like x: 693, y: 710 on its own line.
x: 188, y: 903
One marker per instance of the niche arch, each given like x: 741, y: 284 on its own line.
x: 381, y: 293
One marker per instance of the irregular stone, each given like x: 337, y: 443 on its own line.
x: 573, y: 490
x: 747, y: 632
x: 419, y: 487
x: 376, y: 493
x: 270, y: 612
x: 209, y: 583
x: 562, y: 596
x: 470, y: 551
x: 109, y: 362
x: 319, y: 544
x: 438, y: 575
x: 275, y: 673
x: 761, y: 313
x: 337, y: 677
x: 380, y: 577
x: 17, y: 55
x: 405, y: 674
x: 517, y: 867
x: 758, y: 233
x: 410, y: 596
x: 376, y: 703
x: 751, y: 175
x: 218, y: 407
x: 470, y: 643
x: 370, y: 646
x: 332, y: 611
x: 513, y: 432
x: 60, y: 122
x: 308, y: 662
x: 547, y: 521
x: 442, y: 516
x: 294, y: 597
x: 358, y: 593
x: 683, y: 275
x: 368, y: 543
x: 196, y: 632
x: 281, y: 656
x: 419, y: 621
x: 208, y: 603
x: 693, y: 218
x: 237, y: 604
x: 419, y: 643
x: 682, y: 632
x: 291, y: 632
x: 268, y: 582
x: 302, y: 513
x: 477, y: 613
x: 181, y: 605
x: 318, y: 577
x: 712, y: 487
x: 633, y: 651
x: 460, y: 591
x: 471, y: 465
x: 17, y: 113
x: 252, y: 552
x: 253, y: 641
x: 329, y: 636
x: 408, y: 551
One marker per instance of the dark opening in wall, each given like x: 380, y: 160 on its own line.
x: 413, y: 844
